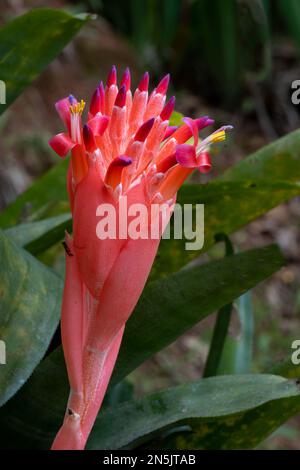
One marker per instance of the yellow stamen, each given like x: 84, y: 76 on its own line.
x: 218, y: 136
x: 77, y: 108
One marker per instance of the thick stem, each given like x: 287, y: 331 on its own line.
x: 82, y: 410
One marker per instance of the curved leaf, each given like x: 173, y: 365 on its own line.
x: 173, y: 305
x: 285, y: 368
x: 37, y: 203
x: 29, y: 42
x: 227, y: 412
x: 30, y: 307
x: 36, y: 237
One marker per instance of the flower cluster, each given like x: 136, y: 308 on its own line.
x: 125, y: 148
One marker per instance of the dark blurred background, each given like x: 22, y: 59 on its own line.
x: 234, y: 60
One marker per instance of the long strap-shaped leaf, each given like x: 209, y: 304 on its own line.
x: 226, y: 412
x: 30, y: 42
x: 30, y: 297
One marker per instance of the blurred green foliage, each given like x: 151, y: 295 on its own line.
x: 216, y: 45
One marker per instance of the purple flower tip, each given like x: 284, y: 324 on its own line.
x: 95, y: 105
x: 121, y: 97
x: 72, y: 100
x: 163, y: 85
x: 126, y: 79
x: 123, y: 160
x: 112, y: 77
x: 168, y: 109
x: 144, y: 130
x: 144, y: 83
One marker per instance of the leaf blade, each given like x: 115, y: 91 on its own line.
x: 30, y: 308
x: 29, y: 42
x: 222, y: 413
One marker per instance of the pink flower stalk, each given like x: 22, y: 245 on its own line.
x: 126, y: 148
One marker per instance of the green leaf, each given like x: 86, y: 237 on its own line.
x: 217, y: 345
x: 224, y: 43
x: 30, y: 306
x: 36, y: 237
x: 289, y: 11
x: 221, y: 325
x: 176, y: 119
x: 228, y: 206
x: 173, y: 305
x: 228, y: 412
x: 244, y: 348
x: 30, y: 42
x: 46, y: 197
x: 121, y: 392
x: 254, y: 35
x: 276, y: 162
x: 237, y: 353
x: 285, y: 368
x: 167, y: 309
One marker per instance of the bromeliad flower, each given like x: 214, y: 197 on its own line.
x: 125, y: 149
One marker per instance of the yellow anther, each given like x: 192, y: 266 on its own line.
x: 77, y: 108
x: 219, y: 136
